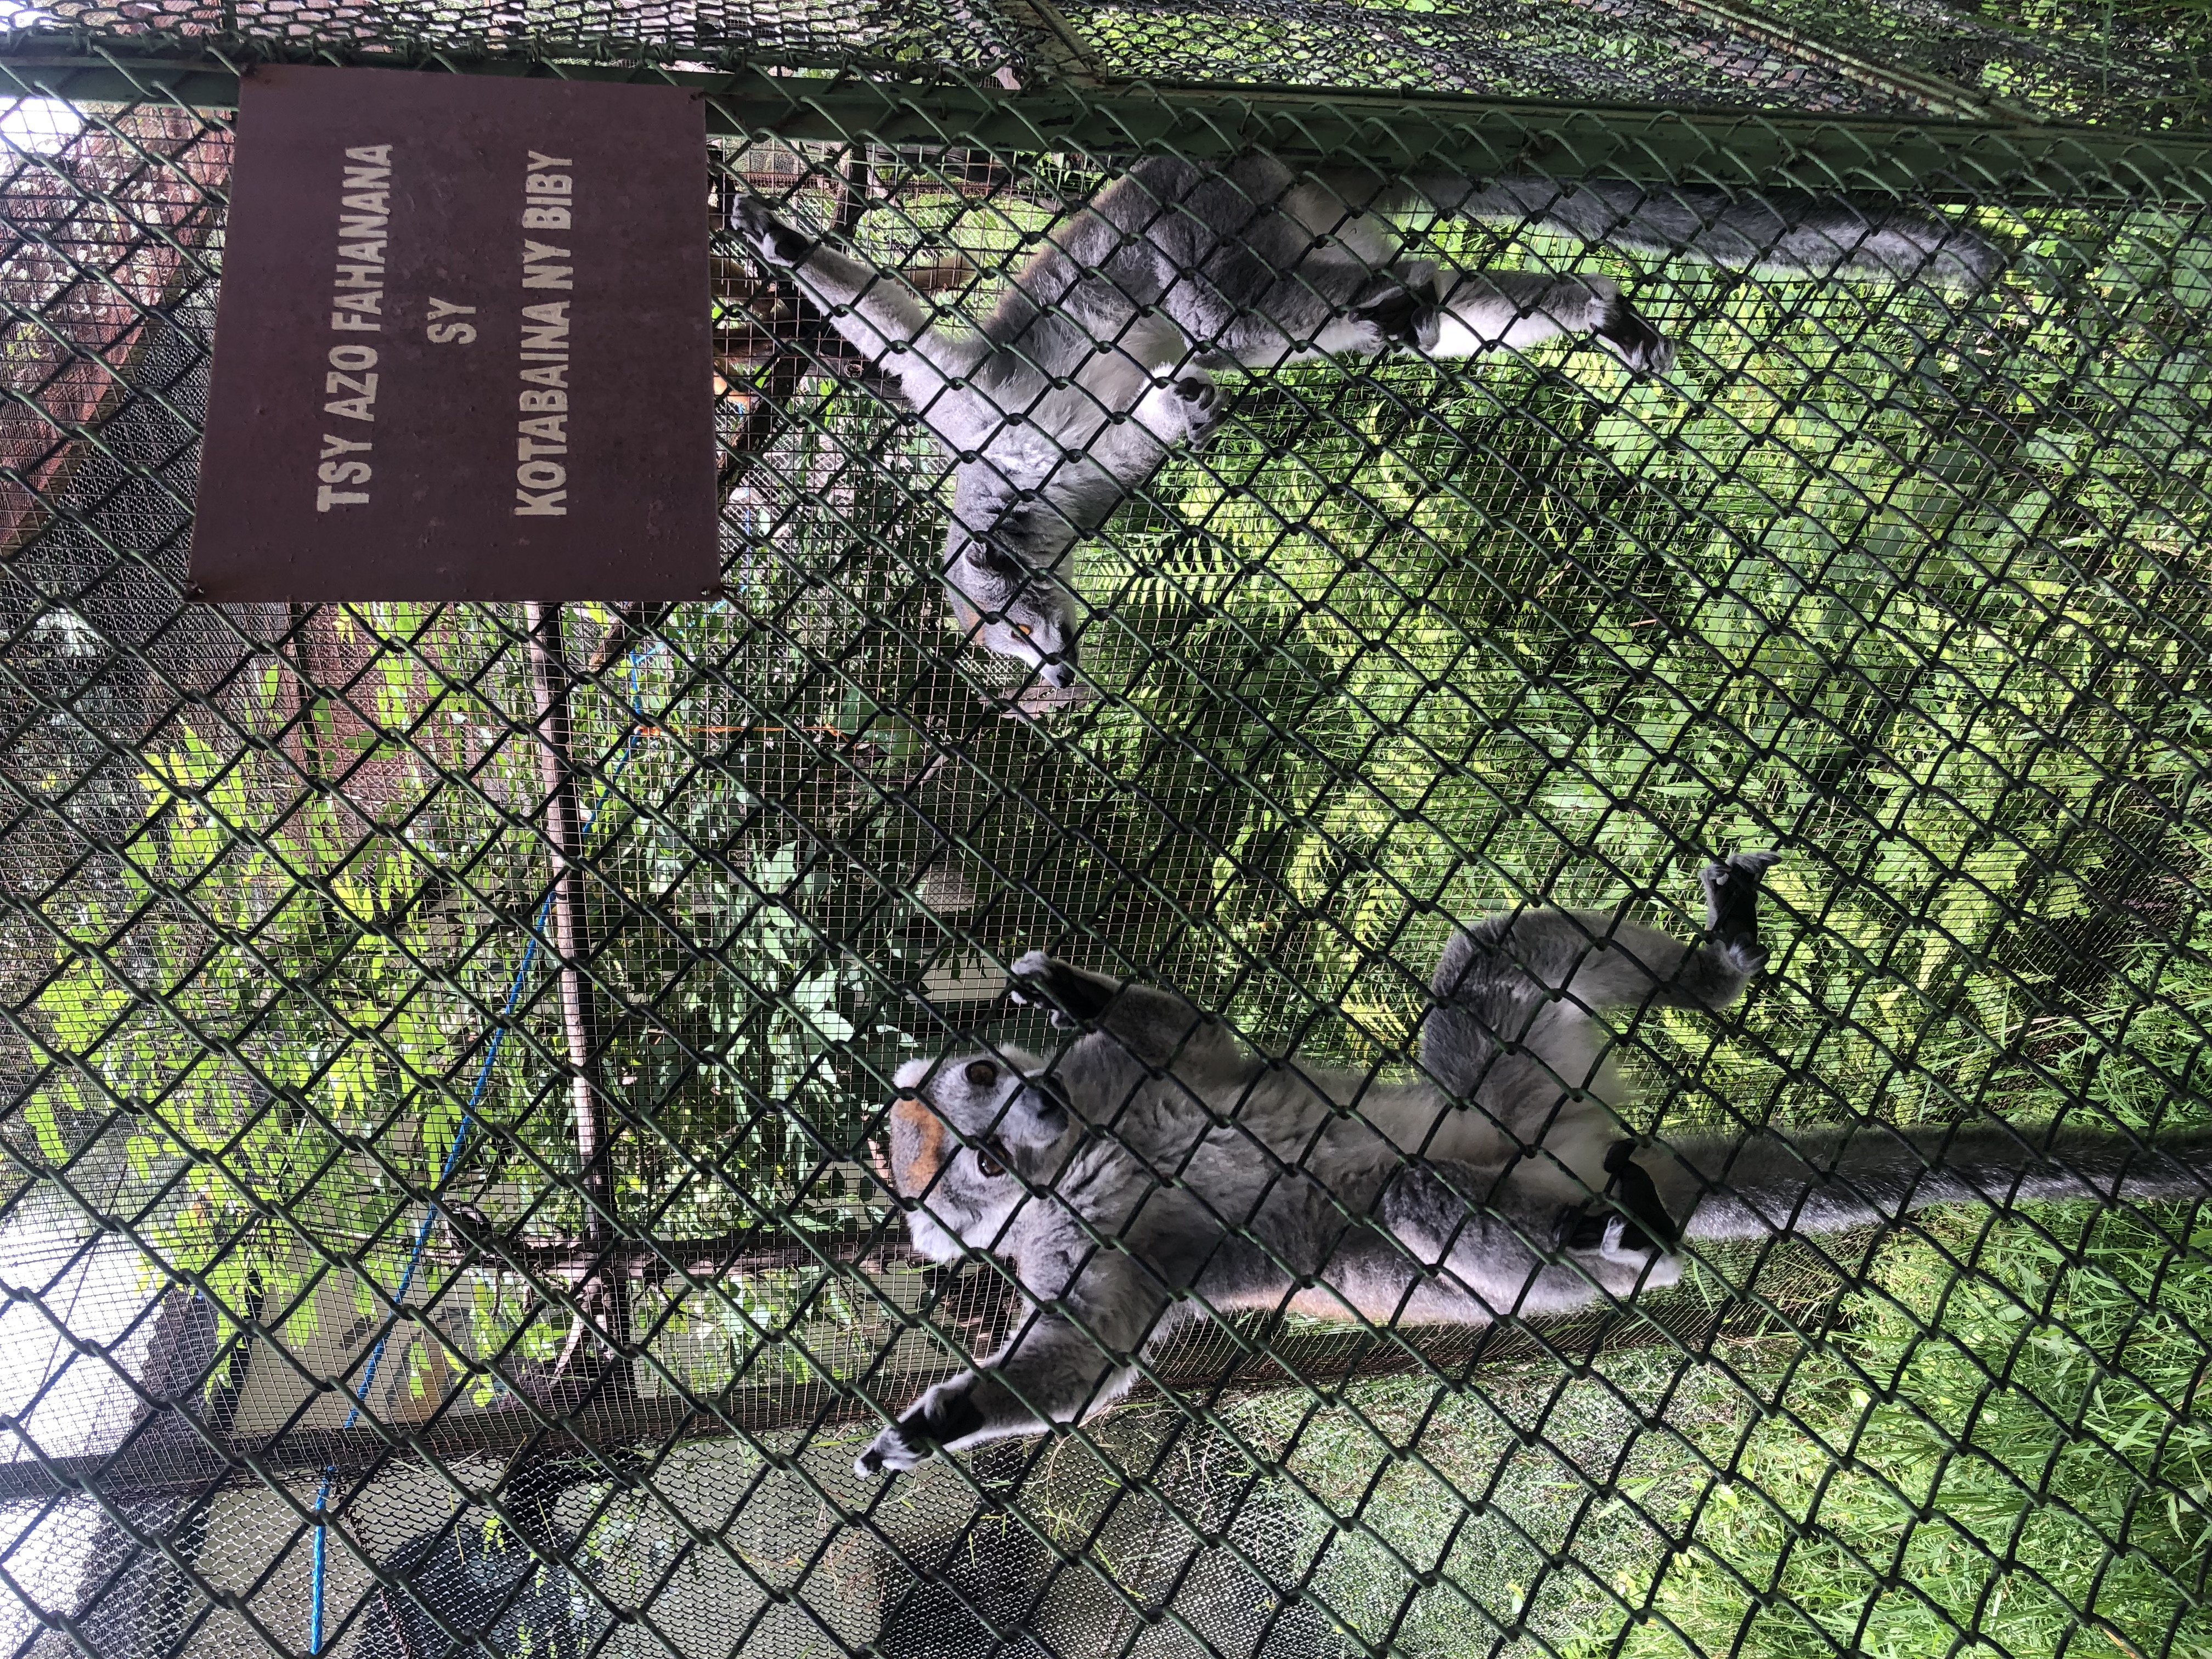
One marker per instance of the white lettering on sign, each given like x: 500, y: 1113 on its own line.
x: 545, y: 197
x: 538, y: 272
x: 344, y: 469
x: 542, y: 430
x: 443, y: 329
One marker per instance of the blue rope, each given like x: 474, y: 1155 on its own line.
x: 430, y: 1210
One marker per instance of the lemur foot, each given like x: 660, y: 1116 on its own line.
x: 1615, y: 1253
x: 1073, y: 996
x: 1630, y: 336
x: 1188, y: 409
x: 1624, y: 1249
x: 1646, y: 1229
x: 1404, y: 309
x: 772, y: 240
x: 1206, y: 406
x: 1732, y: 905
x: 942, y: 1416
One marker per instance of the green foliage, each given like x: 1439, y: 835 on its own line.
x: 289, y: 988
x: 1849, y: 582
x: 1914, y: 592
x: 2002, y: 1454
x: 1523, y: 1516
x: 1918, y: 596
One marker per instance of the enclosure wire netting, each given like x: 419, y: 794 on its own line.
x: 1909, y: 58
x: 1910, y: 585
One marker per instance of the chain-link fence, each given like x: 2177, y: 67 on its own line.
x: 451, y: 1050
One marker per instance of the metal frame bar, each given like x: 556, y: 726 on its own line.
x: 2024, y: 163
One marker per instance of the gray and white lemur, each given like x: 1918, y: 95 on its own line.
x: 1095, y: 362
x: 1156, y: 1170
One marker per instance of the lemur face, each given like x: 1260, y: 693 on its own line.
x: 960, y: 1130
x: 1006, y: 595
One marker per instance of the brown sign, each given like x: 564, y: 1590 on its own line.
x: 462, y: 350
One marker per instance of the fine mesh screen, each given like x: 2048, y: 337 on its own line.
x: 323, y: 1334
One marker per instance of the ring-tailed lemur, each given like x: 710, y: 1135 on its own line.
x: 1095, y: 361
x: 1157, y: 1169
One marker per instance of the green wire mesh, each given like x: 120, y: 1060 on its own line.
x: 1914, y: 588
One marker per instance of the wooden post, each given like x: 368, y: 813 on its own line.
x: 603, y: 1295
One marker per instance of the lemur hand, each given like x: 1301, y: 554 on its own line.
x: 1732, y: 905
x: 1038, y: 981
x: 1403, y: 305
x: 941, y: 1417
x: 1630, y: 336
x: 773, y: 241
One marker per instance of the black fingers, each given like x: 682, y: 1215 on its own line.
x: 1633, y: 1193
x: 1081, y: 997
x: 1207, y: 408
x: 940, y: 1421
x: 1581, y: 1228
x: 1732, y: 899
x: 1629, y: 332
x: 777, y: 243
x: 1403, y: 316
x: 1634, y: 1189
x: 929, y: 1425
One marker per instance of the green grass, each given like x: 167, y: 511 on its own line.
x: 2000, y: 1448
x: 2005, y: 1451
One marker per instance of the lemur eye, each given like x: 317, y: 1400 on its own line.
x: 982, y: 1074
x: 1022, y: 629
x: 989, y: 1165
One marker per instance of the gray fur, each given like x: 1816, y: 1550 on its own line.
x: 1094, y: 363
x: 1156, y: 1170
x: 1782, y: 233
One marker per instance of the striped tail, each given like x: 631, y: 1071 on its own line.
x: 1783, y: 233
x: 1826, y: 1180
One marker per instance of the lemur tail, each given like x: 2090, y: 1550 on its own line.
x: 1784, y: 233
x: 1828, y: 1179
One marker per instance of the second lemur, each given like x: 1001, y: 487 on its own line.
x: 1158, y: 1171
x: 1096, y: 361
